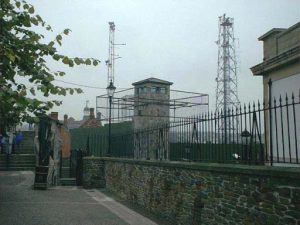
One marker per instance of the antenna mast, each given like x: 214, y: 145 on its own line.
x: 111, y: 54
x: 226, y: 92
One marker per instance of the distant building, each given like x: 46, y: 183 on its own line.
x: 91, y: 122
x: 280, y: 71
x: 86, y: 112
x: 73, y: 124
x: 151, y: 110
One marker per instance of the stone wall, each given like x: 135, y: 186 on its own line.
x: 190, y: 193
x: 93, y: 173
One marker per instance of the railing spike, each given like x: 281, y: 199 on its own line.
x: 275, y: 102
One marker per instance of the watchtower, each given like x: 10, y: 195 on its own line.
x: 151, y: 111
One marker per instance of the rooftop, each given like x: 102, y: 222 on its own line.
x: 271, y: 32
x: 152, y: 80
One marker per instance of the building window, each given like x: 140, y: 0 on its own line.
x: 153, y: 89
x: 142, y: 90
x: 140, y: 112
x: 163, y: 90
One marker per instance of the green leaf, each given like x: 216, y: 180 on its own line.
x: 61, y: 73
x: 71, y: 91
x: 32, y: 91
x: 23, y: 92
x: 63, y: 92
x: 78, y: 90
x: 66, y: 31
x: 25, y: 6
x: 59, y: 37
x: 18, y: 4
x: 57, y: 103
x: 31, y: 10
x: 88, y: 62
x: 43, y: 89
x: 51, y: 43
x: 34, y: 21
x: 27, y: 22
x: 56, y: 57
x: 95, y: 62
x: 39, y: 18
x: 2, y: 13
x: 71, y: 63
x: 65, y: 60
x: 48, y: 28
x: 11, y: 57
x: 50, y: 104
x: 77, y: 61
x: 54, y: 91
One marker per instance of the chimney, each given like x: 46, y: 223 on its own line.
x: 92, y: 114
x: 66, y: 120
x: 54, y: 115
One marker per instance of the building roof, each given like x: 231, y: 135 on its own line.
x: 91, y: 123
x: 152, y: 80
x: 287, y: 57
x: 271, y: 32
x: 72, y: 124
x: 283, y: 53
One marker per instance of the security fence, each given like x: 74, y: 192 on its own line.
x: 256, y: 133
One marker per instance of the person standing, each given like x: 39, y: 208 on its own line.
x: 19, y: 139
x: 6, y: 148
x: 10, y: 142
x: 1, y: 145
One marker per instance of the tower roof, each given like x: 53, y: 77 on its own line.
x: 152, y: 80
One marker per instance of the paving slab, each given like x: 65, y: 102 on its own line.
x: 21, y: 205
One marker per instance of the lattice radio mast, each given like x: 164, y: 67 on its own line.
x: 226, y: 93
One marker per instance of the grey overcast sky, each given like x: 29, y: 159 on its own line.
x: 168, y: 39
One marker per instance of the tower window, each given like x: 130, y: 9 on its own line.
x: 163, y: 90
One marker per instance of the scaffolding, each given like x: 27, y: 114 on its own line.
x: 182, y: 104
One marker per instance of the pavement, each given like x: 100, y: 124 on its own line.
x: 21, y: 205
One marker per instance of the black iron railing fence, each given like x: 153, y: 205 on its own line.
x: 256, y: 133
